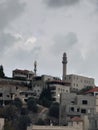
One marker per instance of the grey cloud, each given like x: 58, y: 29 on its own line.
x: 6, y: 40
x: 64, y: 43
x: 60, y: 3
x: 9, y: 10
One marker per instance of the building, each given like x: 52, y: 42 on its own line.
x: 1, y: 123
x: 58, y: 87
x: 40, y: 82
x: 78, y: 82
x: 92, y: 92
x: 93, y: 122
x: 75, y: 123
x: 76, y: 105
x: 22, y: 74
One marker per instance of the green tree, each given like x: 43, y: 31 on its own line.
x: 46, y: 97
x: 8, y: 125
x: 10, y: 112
x: 84, y: 90
x: 2, y: 75
x: 23, y: 122
x: 18, y: 103
x: 32, y: 105
x: 40, y: 122
x: 54, y: 110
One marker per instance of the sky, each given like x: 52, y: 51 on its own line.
x: 43, y: 30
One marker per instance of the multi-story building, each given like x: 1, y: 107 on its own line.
x: 76, y: 105
x: 78, y: 82
x: 93, y: 122
x: 58, y: 87
x: 23, y: 74
x: 40, y: 82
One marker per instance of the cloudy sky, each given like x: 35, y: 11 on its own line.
x: 43, y: 29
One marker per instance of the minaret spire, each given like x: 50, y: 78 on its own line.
x: 64, y: 62
x: 35, y: 67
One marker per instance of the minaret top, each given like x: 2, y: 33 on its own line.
x: 35, y: 67
x: 64, y: 58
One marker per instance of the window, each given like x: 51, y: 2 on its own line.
x: 72, y: 109
x: 0, y: 94
x: 84, y: 102
x: 83, y: 111
x: 78, y: 109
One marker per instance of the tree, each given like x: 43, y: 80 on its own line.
x: 40, y: 122
x: 23, y: 122
x: 2, y: 75
x: 18, y: 103
x: 46, y: 97
x: 32, y: 105
x: 87, y: 88
x: 10, y: 112
x: 54, y: 110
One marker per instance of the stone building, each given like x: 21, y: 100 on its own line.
x: 23, y: 74
x: 76, y: 105
x: 78, y: 82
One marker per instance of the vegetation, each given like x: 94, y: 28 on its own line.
x: 54, y: 110
x: 2, y: 75
x: 82, y: 91
x: 46, y: 97
x: 23, y: 122
x: 18, y: 103
x: 32, y: 105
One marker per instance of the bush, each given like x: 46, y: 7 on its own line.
x: 32, y: 105
x: 54, y: 110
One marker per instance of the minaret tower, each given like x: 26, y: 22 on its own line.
x: 64, y: 62
x: 35, y: 67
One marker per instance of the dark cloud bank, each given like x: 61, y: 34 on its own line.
x: 60, y: 3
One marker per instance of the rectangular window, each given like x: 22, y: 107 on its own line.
x: 78, y: 109
x: 84, y: 102
x: 83, y: 111
x: 0, y: 94
x: 72, y: 109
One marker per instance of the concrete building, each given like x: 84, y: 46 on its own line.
x: 76, y: 105
x: 75, y: 123
x: 9, y: 89
x: 22, y: 74
x: 40, y: 82
x: 58, y: 87
x: 78, y: 82
x: 92, y: 92
x: 93, y: 122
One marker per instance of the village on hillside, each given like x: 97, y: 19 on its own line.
x: 32, y: 102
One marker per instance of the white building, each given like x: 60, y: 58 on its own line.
x: 78, y: 82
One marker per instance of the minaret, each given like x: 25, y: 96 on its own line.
x: 35, y: 67
x: 64, y: 62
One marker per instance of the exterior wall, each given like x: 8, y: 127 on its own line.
x: 24, y: 74
x: 24, y: 95
x: 56, y: 127
x: 75, y: 105
x: 1, y: 123
x: 79, y: 82
x: 40, y: 82
x: 93, y: 122
x: 57, y: 90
